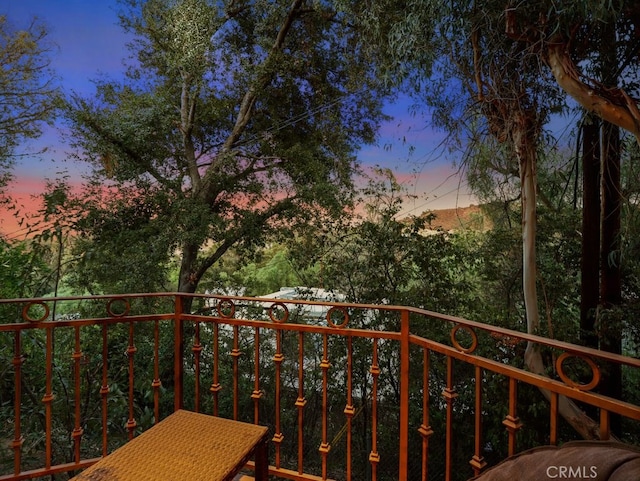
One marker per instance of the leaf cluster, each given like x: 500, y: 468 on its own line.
x: 27, y: 88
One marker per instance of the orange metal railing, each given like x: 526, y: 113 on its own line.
x: 348, y: 391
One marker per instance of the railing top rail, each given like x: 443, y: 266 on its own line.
x: 474, y: 325
x: 507, y: 333
x: 26, y: 300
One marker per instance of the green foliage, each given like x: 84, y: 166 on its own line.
x: 380, y: 259
x: 400, y: 34
x: 23, y: 272
x: 128, y: 250
x: 233, y: 124
x: 265, y: 272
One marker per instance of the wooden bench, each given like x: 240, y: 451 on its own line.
x: 186, y: 446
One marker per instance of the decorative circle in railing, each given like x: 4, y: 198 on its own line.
x: 116, y: 301
x: 26, y: 311
x: 275, y: 309
x: 595, y: 371
x: 457, y: 345
x: 344, y: 320
x: 226, y: 308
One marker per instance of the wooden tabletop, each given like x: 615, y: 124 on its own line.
x: 185, y: 446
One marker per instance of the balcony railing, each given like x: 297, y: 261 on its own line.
x: 348, y: 391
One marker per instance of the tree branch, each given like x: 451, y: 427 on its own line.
x: 187, y: 116
x: 230, y: 240
x: 624, y: 114
x: 246, y: 106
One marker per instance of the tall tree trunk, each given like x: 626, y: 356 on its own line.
x: 610, y: 288
x: 524, y: 137
x: 524, y: 140
x: 525, y: 144
x: 590, y: 271
x: 188, y: 277
x: 601, y: 102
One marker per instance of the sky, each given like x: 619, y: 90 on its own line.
x: 90, y: 43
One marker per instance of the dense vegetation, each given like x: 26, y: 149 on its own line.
x: 226, y: 161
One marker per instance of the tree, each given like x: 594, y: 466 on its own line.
x: 591, y: 50
x: 567, y: 39
x: 495, y: 56
x: 27, y: 88
x: 515, y: 100
x: 376, y: 258
x: 242, y: 117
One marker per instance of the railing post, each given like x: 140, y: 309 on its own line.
x: 404, y: 396
x: 178, y: 356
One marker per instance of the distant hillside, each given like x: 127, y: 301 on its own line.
x: 459, y: 218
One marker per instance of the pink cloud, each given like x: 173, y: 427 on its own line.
x: 436, y: 186
x: 25, y: 203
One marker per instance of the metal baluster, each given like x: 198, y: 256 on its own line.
x: 256, y: 395
x: 77, y: 430
x: 156, y: 384
x: 301, y: 402
x: 450, y: 395
x: 278, y: 437
x: 197, y: 351
x: 215, y: 385
x: 324, y: 446
x: 553, y: 437
x: 374, y: 456
x: 404, y: 395
x: 104, y: 390
x: 131, y: 351
x: 425, y: 429
x: 48, y: 397
x: 349, y: 410
x: 235, y: 354
x: 18, y: 440
x: 512, y: 422
x: 477, y: 461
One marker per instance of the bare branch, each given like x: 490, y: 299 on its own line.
x: 246, y: 107
x: 603, y: 103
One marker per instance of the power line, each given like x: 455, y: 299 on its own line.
x: 24, y: 231
x: 420, y: 206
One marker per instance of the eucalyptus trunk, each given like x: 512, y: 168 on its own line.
x: 524, y: 135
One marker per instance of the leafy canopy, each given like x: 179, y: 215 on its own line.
x: 242, y: 117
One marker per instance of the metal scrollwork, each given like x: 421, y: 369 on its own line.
x: 110, y: 305
x: 457, y: 345
x: 27, y: 308
x: 274, y: 309
x: 345, y: 317
x: 226, y: 308
x: 595, y: 372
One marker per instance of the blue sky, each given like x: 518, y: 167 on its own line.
x: 91, y: 43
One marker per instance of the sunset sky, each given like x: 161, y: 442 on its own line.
x: 90, y: 43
